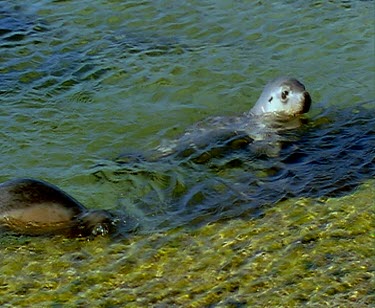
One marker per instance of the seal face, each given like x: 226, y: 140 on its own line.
x: 284, y: 95
x: 29, y: 206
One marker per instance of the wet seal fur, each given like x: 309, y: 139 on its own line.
x: 35, y: 207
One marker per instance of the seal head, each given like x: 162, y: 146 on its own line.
x: 283, y: 96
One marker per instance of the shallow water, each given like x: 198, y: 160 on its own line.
x: 327, y: 157
x: 82, y: 84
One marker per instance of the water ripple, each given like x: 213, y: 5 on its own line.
x: 328, y: 157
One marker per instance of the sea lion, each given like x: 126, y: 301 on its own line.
x: 35, y: 207
x: 277, y: 109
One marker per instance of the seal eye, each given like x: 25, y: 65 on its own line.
x: 284, y: 94
x: 271, y: 98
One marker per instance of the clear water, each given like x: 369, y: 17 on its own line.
x: 84, y: 83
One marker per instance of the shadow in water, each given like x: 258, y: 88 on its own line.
x: 328, y: 157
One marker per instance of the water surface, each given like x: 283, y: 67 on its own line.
x: 83, y: 83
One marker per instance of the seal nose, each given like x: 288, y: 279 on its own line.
x: 307, y: 103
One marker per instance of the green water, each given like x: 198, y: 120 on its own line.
x: 85, y: 81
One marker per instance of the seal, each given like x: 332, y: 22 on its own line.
x: 278, y: 108
x: 35, y: 207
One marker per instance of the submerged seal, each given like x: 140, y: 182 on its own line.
x: 34, y: 207
x: 277, y: 109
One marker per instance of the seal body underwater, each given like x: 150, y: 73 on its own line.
x: 35, y: 207
x: 278, y: 108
